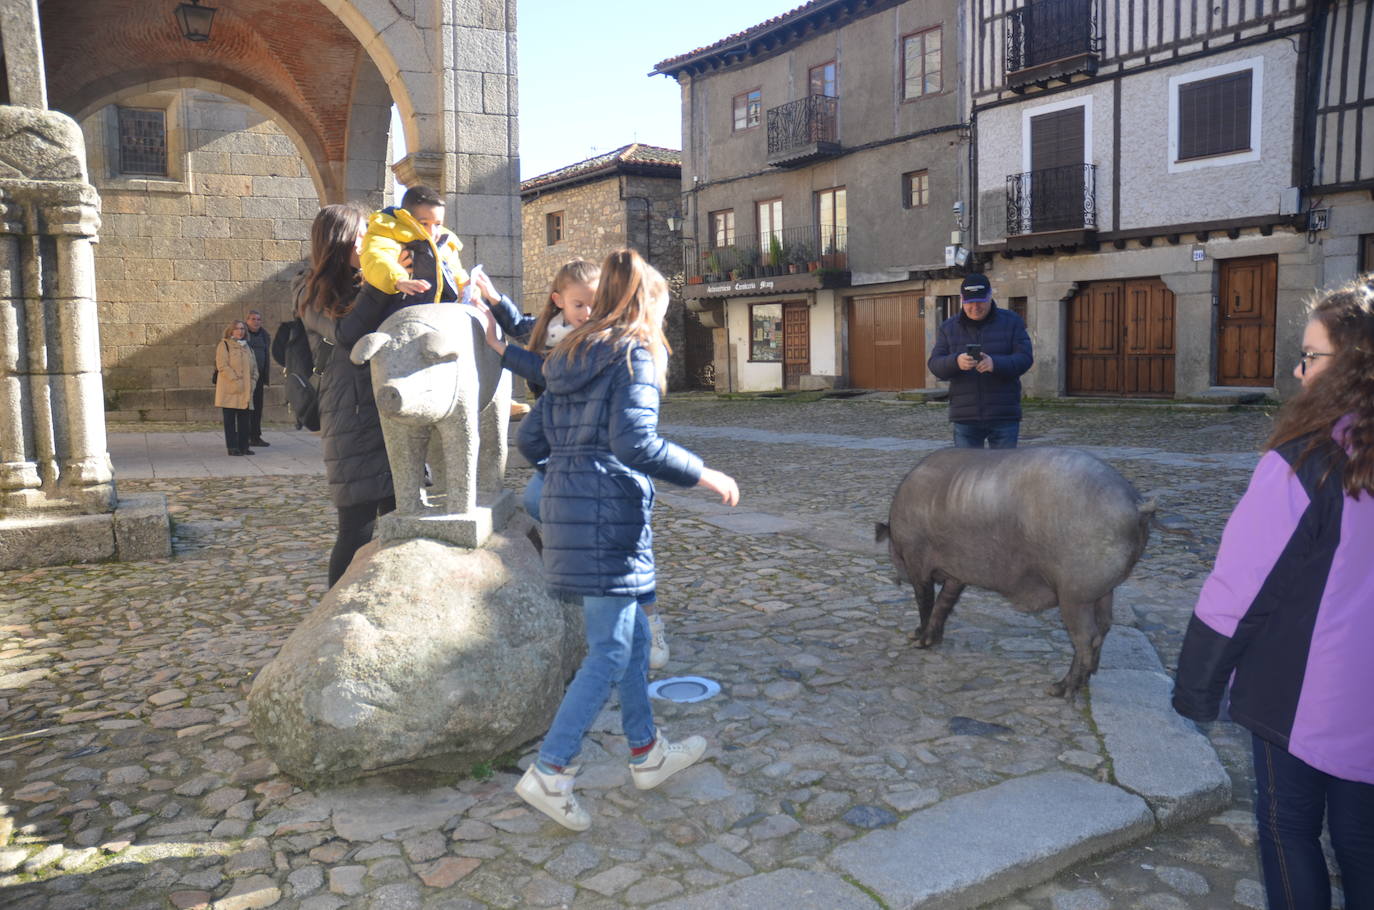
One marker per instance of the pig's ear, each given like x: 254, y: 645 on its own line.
x: 368, y: 346
x: 436, y: 348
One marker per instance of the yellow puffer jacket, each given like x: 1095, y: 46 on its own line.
x: 388, y: 231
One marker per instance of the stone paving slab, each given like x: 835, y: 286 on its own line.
x: 984, y: 845
x: 787, y: 889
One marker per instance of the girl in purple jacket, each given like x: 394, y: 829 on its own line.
x: 1287, y: 616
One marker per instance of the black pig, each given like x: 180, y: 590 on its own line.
x: 1041, y: 526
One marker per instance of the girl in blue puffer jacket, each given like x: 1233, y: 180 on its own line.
x: 595, y: 430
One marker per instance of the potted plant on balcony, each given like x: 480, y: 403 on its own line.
x: 799, y: 258
x: 749, y: 262
x: 713, y: 270
x: 776, y: 255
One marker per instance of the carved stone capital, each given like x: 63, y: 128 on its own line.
x: 40, y: 145
x: 421, y: 167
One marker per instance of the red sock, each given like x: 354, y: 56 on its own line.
x: 642, y: 750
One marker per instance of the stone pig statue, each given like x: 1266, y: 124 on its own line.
x: 1041, y: 526
x: 434, y: 377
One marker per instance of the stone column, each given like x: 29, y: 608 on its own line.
x: 57, y: 490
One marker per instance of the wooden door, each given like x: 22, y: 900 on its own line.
x: 1056, y: 183
x: 796, y: 343
x: 1147, y: 363
x: 1245, y: 321
x: 887, y: 342
x: 1094, y: 366
x: 1121, y: 339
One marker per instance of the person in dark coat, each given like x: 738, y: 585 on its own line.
x: 983, y: 352
x: 335, y: 307
x: 595, y: 432
x: 260, y: 341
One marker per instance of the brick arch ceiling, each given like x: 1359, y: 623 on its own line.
x: 293, y: 55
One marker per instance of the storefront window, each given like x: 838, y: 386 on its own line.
x: 765, y: 332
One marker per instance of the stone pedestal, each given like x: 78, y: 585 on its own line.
x: 57, y: 491
x: 137, y: 529
x: 492, y: 514
x: 423, y: 655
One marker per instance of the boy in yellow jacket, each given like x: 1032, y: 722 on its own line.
x: 436, y: 274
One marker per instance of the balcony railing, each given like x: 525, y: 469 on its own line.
x: 809, y: 248
x: 1054, y: 199
x: 803, y: 130
x: 1048, y: 39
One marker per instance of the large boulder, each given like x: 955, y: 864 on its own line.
x: 424, y: 654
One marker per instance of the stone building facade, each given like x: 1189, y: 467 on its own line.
x: 183, y: 255
x: 824, y: 151
x: 627, y: 197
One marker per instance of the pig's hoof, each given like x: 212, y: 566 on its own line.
x: 1057, y: 690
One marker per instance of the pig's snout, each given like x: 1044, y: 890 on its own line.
x: 389, y: 400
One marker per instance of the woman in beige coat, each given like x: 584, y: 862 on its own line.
x: 236, y: 375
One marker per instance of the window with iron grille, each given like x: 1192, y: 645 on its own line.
x: 142, y: 141
x: 916, y: 189
x: 553, y: 228
x: 921, y: 59
x: 1018, y: 306
x: 749, y: 109
x: 1214, y: 115
x: 723, y: 228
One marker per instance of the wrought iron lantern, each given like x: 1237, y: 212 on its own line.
x: 195, y: 20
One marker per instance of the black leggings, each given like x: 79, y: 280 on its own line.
x: 355, y: 530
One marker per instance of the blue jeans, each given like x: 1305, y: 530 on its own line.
x: 617, y: 654
x: 530, y: 500
x: 999, y: 434
x: 1291, y: 799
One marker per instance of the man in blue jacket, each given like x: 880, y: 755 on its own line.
x: 982, y: 352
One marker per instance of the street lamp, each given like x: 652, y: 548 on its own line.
x: 195, y: 20
x: 674, y: 221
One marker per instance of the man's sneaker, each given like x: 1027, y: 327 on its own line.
x: 658, y: 643
x: 666, y: 759
x: 552, y: 794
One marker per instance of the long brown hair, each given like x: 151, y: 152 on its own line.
x: 1345, y: 388
x: 623, y: 312
x: 332, y: 275
x: 574, y: 271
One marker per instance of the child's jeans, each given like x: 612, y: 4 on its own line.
x: 530, y: 499
x: 617, y: 654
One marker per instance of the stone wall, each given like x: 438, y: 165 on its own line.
x: 599, y: 216
x: 181, y: 256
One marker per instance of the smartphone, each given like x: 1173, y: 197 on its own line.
x: 975, y: 351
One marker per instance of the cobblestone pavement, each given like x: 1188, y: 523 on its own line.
x: 129, y: 776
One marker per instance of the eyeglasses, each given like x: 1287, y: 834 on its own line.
x: 1308, y: 357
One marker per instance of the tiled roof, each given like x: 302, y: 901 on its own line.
x: 632, y: 155
x: 671, y: 63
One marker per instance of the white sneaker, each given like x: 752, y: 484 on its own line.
x: 666, y: 759
x: 552, y: 794
x: 658, y: 643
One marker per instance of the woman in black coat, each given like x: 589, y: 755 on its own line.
x: 335, y: 307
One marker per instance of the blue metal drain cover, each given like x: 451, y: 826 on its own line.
x: 684, y: 689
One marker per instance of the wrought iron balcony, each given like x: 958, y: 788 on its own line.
x: 821, y: 251
x: 1051, y: 39
x: 803, y: 130
x: 1054, y: 200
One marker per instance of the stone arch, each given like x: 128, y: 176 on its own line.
x: 290, y: 121
x: 385, y: 34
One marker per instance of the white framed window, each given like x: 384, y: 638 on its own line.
x: 1212, y: 122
